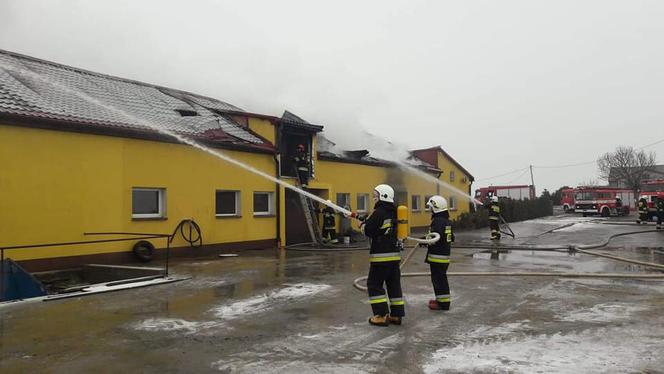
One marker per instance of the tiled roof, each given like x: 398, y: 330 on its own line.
x: 291, y: 119
x: 37, y: 89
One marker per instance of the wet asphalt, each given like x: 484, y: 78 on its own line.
x: 297, y: 312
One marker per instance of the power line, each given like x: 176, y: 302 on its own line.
x: 651, y: 144
x: 502, y: 175
x: 564, y: 166
x: 519, y: 177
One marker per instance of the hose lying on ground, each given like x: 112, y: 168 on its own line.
x: 579, y: 248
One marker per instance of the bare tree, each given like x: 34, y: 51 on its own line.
x: 627, y: 166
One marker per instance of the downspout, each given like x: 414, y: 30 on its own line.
x: 277, y: 174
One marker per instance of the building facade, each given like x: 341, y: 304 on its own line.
x: 84, y: 152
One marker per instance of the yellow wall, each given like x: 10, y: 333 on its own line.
x: 263, y: 128
x: 447, y: 166
x: 56, y: 185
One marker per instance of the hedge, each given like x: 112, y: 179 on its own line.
x: 511, y: 210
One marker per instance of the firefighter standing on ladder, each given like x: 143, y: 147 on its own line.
x: 384, y: 257
x: 494, y: 218
x: 438, y: 254
x: 302, y: 162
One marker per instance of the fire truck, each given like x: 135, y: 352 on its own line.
x: 519, y: 192
x: 651, y: 190
x: 567, y: 199
x: 604, y: 201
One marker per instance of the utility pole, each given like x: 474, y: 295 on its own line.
x: 532, y: 181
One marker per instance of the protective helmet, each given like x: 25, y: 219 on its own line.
x: 494, y: 199
x: 384, y: 192
x: 437, y: 204
x: 300, y: 147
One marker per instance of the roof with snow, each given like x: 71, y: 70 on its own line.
x: 45, y: 94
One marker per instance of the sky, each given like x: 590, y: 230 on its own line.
x: 500, y: 85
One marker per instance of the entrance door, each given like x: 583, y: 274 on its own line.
x: 296, y: 224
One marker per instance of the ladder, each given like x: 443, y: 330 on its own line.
x: 312, y: 219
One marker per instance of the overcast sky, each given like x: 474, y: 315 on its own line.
x: 499, y: 84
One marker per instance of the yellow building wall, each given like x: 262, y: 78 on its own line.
x: 56, y: 185
x: 263, y: 128
x: 448, y: 166
x: 361, y: 179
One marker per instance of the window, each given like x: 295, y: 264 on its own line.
x: 227, y: 203
x: 362, y: 202
x: 263, y: 203
x: 148, y: 203
x: 452, y: 175
x: 415, y: 203
x: 453, y: 203
x: 343, y: 200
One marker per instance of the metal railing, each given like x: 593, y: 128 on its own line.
x: 135, y: 236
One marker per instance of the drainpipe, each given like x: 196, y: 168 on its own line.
x: 277, y: 174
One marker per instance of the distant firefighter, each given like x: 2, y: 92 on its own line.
x: 494, y: 217
x: 660, y: 212
x: 329, y: 225
x: 643, y: 210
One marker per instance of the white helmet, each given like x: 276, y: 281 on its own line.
x: 437, y: 204
x: 494, y: 199
x: 385, y: 193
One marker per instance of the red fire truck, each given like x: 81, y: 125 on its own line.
x: 604, y: 201
x: 519, y: 192
x: 651, y: 190
x: 567, y: 199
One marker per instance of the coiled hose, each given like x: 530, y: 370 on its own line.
x: 194, y: 241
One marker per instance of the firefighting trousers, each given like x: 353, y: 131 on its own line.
x: 387, y: 274
x: 441, y: 287
x: 660, y: 218
x: 643, y: 216
x: 330, y: 234
x: 495, y: 228
x: 303, y: 175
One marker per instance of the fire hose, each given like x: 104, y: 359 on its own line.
x: 581, y: 248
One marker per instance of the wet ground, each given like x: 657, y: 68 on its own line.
x: 297, y: 312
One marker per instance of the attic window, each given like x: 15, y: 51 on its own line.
x: 187, y: 113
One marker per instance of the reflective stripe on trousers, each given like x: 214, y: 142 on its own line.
x: 440, y: 259
x: 443, y: 298
x: 383, y: 257
x: 378, y: 299
x: 397, y: 301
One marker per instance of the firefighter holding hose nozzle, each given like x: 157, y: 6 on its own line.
x: 438, y: 253
x: 494, y: 217
x: 384, y: 259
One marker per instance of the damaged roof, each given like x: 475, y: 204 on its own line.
x: 290, y: 119
x: 45, y: 94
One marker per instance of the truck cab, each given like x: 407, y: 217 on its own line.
x: 603, y: 201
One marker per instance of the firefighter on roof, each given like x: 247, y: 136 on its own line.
x: 438, y: 254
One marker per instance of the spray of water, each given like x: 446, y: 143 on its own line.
x: 178, y: 137
x: 400, y: 155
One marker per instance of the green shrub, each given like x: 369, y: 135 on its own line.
x: 511, y: 210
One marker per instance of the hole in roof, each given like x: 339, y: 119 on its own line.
x: 187, y: 113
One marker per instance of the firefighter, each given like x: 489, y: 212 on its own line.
x: 301, y: 160
x: 438, y: 254
x: 329, y: 225
x: 643, y: 210
x: 659, y: 204
x: 494, y: 218
x: 384, y: 258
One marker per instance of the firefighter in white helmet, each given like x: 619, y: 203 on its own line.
x: 494, y: 217
x: 438, y: 253
x: 384, y: 259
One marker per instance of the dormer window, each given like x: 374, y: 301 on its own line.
x: 187, y: 113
